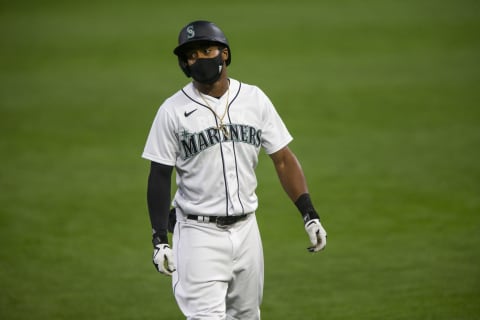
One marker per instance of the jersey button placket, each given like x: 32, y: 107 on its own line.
x: 231, y: 176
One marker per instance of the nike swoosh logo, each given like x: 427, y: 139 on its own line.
x: 186, y: 114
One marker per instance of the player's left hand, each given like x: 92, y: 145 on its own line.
x: 317, y: 235
x: 163, y: 259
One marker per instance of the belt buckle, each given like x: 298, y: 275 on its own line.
x: 222, y: 223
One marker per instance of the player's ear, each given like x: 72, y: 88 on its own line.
x: 225, y: 54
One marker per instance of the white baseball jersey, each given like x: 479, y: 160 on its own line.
x: 215, y: 169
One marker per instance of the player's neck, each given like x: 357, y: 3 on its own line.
x: 216, y: 89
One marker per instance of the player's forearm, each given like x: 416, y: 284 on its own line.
x: 290, y: 173
x: 158, y: 200
x: 293, y: 181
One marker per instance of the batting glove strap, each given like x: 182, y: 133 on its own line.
x: 317, y: 235
x: 163, y: 259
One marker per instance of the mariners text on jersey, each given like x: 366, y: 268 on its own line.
x: 193, y: 143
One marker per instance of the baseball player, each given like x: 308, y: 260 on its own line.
x: 211, y: 133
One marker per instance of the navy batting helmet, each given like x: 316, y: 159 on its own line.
x: 199, y: 31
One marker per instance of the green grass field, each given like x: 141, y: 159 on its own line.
x: 382, y: 98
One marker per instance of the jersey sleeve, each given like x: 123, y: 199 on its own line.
x: 161, y: 143
x: 275, y: 134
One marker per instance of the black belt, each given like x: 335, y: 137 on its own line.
x: 220, y: 221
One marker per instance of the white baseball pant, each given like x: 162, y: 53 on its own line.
x: 219, y: 271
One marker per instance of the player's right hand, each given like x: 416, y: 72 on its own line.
x: 163, y: 259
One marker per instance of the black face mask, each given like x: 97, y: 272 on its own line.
x: 207, y: 70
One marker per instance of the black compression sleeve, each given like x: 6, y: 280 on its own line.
x: 158, y: 200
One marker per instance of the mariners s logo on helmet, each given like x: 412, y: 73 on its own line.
x: 191, y: 32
